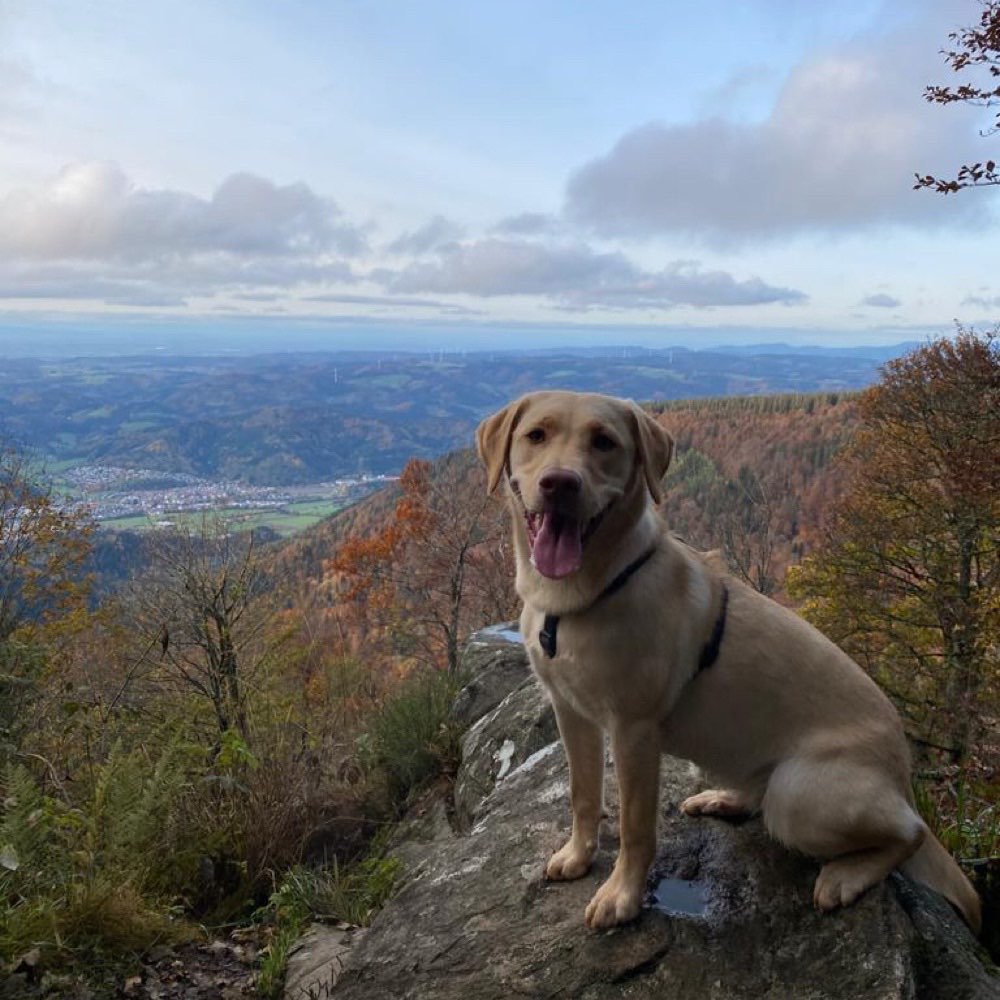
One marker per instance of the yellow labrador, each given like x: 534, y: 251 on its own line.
x: 635, y: 635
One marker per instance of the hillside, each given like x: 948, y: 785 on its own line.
x: 754, y: 475
x: 308, y: 418
x: 748, y: 473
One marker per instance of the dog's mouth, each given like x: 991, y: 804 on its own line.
x: 557, y: 540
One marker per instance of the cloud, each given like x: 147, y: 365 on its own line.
x: 881, y: 301
x: 982, y: 301
x: 17, y: 84
x: 529, y: 224
x: 92, y: 234
x: 837, y: 152
x: 575, y: 276
x: 93, y: 211
x: 438, y: 232
x: 172, y: 281
x: 394, y: 302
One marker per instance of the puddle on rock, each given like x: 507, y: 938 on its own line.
x: 679, y: 897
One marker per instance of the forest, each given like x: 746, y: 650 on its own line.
x: 219, y: 747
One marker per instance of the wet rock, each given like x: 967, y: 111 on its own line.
x: 475, y: 918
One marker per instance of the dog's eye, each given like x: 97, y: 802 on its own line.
x: 602, y: 442
x: 536, y: 435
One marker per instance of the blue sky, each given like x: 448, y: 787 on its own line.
x: 665, y: 172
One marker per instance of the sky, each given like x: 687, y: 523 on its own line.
x: 531, y: 171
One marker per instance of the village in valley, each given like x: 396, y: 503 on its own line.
x: 117, y: 496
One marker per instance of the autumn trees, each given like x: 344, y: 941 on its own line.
x: 908, y: 580
x: 976, y: 48
x: 43, y: 582
x: 200, y: 616
x: 439, y: 568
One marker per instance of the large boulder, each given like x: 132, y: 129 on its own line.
x: 729, y: 912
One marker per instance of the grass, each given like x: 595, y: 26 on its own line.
x: 286, y: 520
x: 965, y: 816
x: 967, y: 823
x: 412, y: 739
x: 351, y: 895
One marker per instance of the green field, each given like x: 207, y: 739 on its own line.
x: 286, y: 520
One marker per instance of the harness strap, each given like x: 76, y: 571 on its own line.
x: 710, y: 653
x: 550, y: 627
x: 547, y: 637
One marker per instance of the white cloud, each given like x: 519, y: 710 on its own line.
x: 880, y: 300
x: 394, y: 302
x: 91, y: 234
x: 575, y: 276
x: 982, y: 301
x: 435, y: 233
x: 170, y: 281
x: 529, y: 224
x: 93, y: 211
x: 838, y: 152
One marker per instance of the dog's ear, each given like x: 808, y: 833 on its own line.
x: 654, y: 446
x: 493, y: 441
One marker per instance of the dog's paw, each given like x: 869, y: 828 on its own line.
x: 839, y: 883
x: 616, y: 902
x: 716, y: 802
x: 570, y: 862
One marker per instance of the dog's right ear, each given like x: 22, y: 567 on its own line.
x: 493, y: 441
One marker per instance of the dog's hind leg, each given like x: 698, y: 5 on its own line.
x: 720, y: 802
x: 849, y: 814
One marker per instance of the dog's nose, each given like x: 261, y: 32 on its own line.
x: 560, y: 482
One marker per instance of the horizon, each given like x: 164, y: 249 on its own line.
x: 61, y: 341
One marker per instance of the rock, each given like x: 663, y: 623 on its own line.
x: 315, y: 964
x: 729, y: 913
x: 495, y: 663
x: 500, y: 742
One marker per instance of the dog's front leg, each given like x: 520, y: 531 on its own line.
x: 636, y: 750
x: 583, y: 742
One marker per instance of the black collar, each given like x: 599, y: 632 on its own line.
x: 547, y: 636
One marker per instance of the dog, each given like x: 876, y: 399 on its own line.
x: 635, y: 635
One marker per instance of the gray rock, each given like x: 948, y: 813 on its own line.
x: 729, y: 913
x: 316, y: 962
x: 495, y: 662
x: 498, y: 743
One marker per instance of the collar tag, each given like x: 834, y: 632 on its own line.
x: 547, y: 636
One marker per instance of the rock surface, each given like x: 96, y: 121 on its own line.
x: 315, y: 964
x: 729, y: 913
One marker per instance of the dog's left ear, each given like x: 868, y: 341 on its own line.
x: 654, y: 446
x: 493, y: 441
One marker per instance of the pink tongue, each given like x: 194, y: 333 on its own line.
x: 557, y: 551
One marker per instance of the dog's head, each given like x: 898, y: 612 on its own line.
x: 572, y: 461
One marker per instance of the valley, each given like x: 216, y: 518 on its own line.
x: 285, y: 439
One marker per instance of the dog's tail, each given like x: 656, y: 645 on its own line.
x: 934, y: 866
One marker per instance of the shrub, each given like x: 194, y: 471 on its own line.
x: 412, y: 739
x: 93, y: 875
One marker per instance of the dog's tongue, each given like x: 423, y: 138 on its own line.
x: 558, y: 550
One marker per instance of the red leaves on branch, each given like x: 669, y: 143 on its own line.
x: 978, y: 47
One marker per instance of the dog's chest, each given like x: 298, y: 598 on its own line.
x: 603, y: 668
